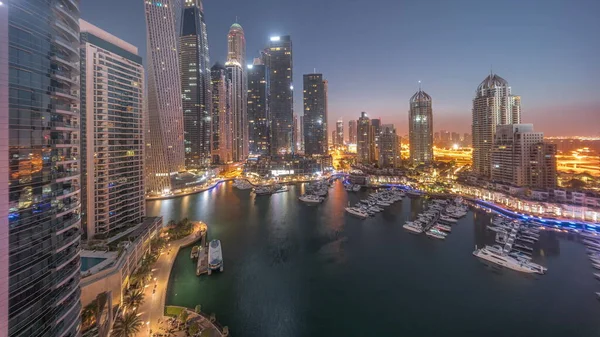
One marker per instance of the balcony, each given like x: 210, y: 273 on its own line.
x: 64, y: 275
x: 70, y: 31
x: 72, y: 223
x: 64, y: 60
x: 66, y: 14
x: 64, y: 77
x: 67, y: 45
x: 69, y: 94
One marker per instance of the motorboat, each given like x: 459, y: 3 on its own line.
x: 194, y: 253
x: 356, y: 188
x: 435, y: 234
x: 215, y: 256
x: 591, y: 243
x: 445, y: 228
x: 357, y: 212
x: 311, y: 199
x: 494, y: 256
x: 413, y: 227
x: 597, y: 275
x: 447, y: 219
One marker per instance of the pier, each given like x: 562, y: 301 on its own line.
x: 202, y: 264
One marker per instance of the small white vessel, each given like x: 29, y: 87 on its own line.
x: 597, y: 275
x: 495, y: 256
x: 413, y: 227
x: 591, y: 243
x: 436, y: 234
x: 311, y: 199
x: 445, y: 228
x: 447, y: 219
x: 357, y: 212
x: 356, y: 188
x: 215, y: 256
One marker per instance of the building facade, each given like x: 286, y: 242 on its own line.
x: 194, y: 66
x: 420, y: 128
x: 221, y: 120
x: 165, y: 155
x: 112, y: 77
x: 258, y: 109
x: 339, y: 133
x: 278, y: 58
x: 364, y: 139
x: 236, y: 71
x: 542, y: 170
x: 40, y: 183
x: 510, y: 156
x: 388, y: 147
x: 352, y: 132
x: 315, y: 114
x: 493, y: 105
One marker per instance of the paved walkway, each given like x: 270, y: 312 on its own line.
x: 194, y: 191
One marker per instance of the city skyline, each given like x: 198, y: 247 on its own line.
x: 446, y: 73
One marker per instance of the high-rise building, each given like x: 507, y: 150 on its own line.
x: 376, y: 131
x: 236, y: 70
x: 511, y: 153
x: 352, y: 132
x: 364, y: 135
x: 113, y: 155
x: 339, y: 133
x: 455, y: 138
x: 493, y: 105
x: 467, y: 140
x: 222, y: 130
x: 195, y: 81
x: 295, y: 132
x: 315, y: 114
x: 301, y: 135
x: 420, y: 126
x: 542, y: 161
x: 258, y: 108
x: 388, y: 147
x: 164, y: 142
x: 278, y: 58
x: 40, y: 168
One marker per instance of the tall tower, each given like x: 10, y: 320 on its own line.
x: 123, y: 194
x: 493, y: 105
x: 236, y: 70
x: 339, y: 133
x: 364, y: 135
x: 388, y: 147
x: 221, y: 133
x: 258, y: 108
x: 195, y: 85
x: 278, y: 57
x: 420, y: 128
x: 40, y: 178
x: 315, y: 114
x: 352, y: 132
x: 165, y: 144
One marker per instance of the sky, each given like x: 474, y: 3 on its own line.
x: 373, y: 53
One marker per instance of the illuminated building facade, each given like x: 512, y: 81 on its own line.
x: 315, y: 114
x: 339, y: 133
x: 195, y: 85
x: 364, y: 139
x: 511, y: 153
x: 165, y: 155
x: 112, y: 77
x: 258, y: 108
x: 420, y: 128
x: 352, y: 132
x: 40, y: 184
x: 493, y: 105
x: 222, y: 131
x: 388, y: 147
x: 542, y: 161
x: 236, y: 71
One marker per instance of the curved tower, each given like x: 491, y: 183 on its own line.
x: 493, y: 105
x: 236, y: 71
x: 165, y: 152
x: 195, y: 85
x: 420, y: 128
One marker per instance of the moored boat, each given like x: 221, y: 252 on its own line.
x: 215, y: 256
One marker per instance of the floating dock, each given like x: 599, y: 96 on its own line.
x: 202, y: 264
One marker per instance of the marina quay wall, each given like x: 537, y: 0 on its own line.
x: 115, y: 277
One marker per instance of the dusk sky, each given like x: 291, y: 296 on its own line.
x: 373, y: 53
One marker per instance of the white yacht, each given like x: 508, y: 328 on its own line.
x: 413, y: 227
x: 445, y: 228
x: 311, y: 199
x: 215, y: 256
x: 436, y: 234
x: 356, y: 188
x: 447, y: 219
x: 591, y: 243
x: 597, y: 275
x: 357, y: 212
x: 495, y: 256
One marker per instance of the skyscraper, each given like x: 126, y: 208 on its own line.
x: 493, y: 105
x: 295, y: 133
x: 258, y: 108
x: 222, y: 130
x: 388, y: 147
x: 420, y: 128
x: 113, y: 155
x: 511, y: 153
x: 315, y: 114
x: 352, y: 132
x: 542, y: 161
x: 278, y: 57
x: 40, y: 168
x: 165, y: 143
x: 376, y: 131
x: 236, y: 71
x: 301, y: 133
x: 364, y: 135
x: 339, y: 132
x: 195, y: 81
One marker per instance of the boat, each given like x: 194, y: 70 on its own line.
x: 263, y: 190
x: 443, y: 227
x: 597, y: 266
x: 518, y: 255
x: 518, y: 245
x: 242, y: 184
x: 414, y: 193
x: 494, y: 256
x: 591, y: 243
x: 356, y: 188
x: 357, y: 212
x: 413, y: 227
x: 597, y: 275
x: 434, y: 233
x: 215, y: 256
x: 194, y: 253
x: 310, y: 199
x: 447, y: 219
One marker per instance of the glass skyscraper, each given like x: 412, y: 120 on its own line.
x: 258, y: 108
x: 221, y: 133
x: 40, y: 174
x: 420, y: 128
x: 236, y: 71
x: 315, y: 114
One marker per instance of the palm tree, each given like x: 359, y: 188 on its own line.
x: 183, y: 316
x: 88, y: 315
x: 134, y: 298
x: 127, y: 325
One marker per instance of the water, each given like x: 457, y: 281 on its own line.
x: 88, y: 262
x: 298, y: 270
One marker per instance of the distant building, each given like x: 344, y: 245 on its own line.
x: 295, y: 133
x: 236, y: 71
x: 542, y: 161
x: 420, y: 125
x: 301, y: 134
x: 467, y: 140
x: 376, y: 131
x: 258, y: 109
x: 333, y: 139
x: 339, y: 133
x: 388, y: 147
x: 278, y: 59
x: 455, y: 138
x: 352, y: 132
x: 315, y: 114
x: 289, y: 165
x: 364, y: 139
x: 493, y: 105
x: 511, y: 153
x: 221, y: 130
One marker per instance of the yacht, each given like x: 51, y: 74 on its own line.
x: 591, y: 243
x: 494, y: 256
x: 263, y: 190
x: 413, y: 227
x: 311, y: 199
x: 447, y: 219
x: 444, y: 228
x: 436, y: 234
x: 357, y: 212
x: 519, y: 256
x: 356, y: 188
x: 215, y: 256
x: 597, y: 275
x: 194, y: 253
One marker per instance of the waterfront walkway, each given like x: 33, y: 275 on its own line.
x: 194, y: 191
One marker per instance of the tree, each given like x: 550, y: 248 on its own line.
x: 183, y: 316
x: 198, y: 309
x: 127, y: 325
x: 134, y: 299
x: 194, y: 328
x: 88, y: 315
